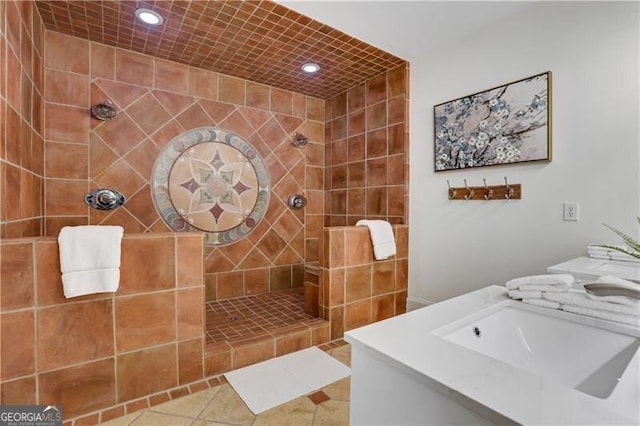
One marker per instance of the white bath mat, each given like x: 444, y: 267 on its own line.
x: 273, y: 382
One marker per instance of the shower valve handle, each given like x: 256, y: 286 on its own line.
x: 104, y: 199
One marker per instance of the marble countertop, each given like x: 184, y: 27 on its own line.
x: 490, y: 387
x: 589, y: 268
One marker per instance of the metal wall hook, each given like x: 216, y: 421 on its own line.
x: 452, y: 191
x: 489, y: 193
x: 509, y: 190
x: 470, y: 192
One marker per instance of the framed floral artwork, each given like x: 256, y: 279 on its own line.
x: 504, y: 125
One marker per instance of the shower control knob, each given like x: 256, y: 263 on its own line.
x: 296, y: 201
x: 104, y: 199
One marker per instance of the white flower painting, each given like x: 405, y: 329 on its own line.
x: 503, y: 125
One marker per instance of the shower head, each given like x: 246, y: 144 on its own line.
x: 104, y: 111
x: 299, y: 140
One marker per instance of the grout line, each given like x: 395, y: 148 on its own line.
x: 175, y: 306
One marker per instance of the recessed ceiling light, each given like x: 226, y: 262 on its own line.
x: 310, y: 67
x: 149, y: 16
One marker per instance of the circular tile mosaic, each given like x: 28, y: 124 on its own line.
x: 210, y: 180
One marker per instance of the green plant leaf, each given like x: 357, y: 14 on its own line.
x: 630, y: 253
x: 630, y: 241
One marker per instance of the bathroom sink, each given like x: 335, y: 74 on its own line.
x: 589, y: 356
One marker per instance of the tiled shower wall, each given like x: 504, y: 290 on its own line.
x: 157, y: 100
x: 96, y: 351
x: 21, y: 120
x: 367, y: 151
x: 355, y: 289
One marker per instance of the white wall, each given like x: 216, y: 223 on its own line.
x: 592, y: 49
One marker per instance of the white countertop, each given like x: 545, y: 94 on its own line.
x: 496, y: 389
x: 588, y: 268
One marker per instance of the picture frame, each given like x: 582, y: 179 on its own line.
x: 507, y: 124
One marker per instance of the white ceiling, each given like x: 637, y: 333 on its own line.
x: 407, y: 28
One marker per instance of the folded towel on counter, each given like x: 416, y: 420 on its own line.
x: 384, y: 243
x: 517, y: 294
x: 603, y: 256
x: 551, y: 282
x: 543, y: 303
x: 599, y: 252
x: 90, y: 259
x: 579, y: 298
x: 606, y: 315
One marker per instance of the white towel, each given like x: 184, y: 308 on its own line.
x: 90, y: 259
x: 579, y: 298
x: 550, y: 282
x: 517, y: 294
x: 384, y: 244
x: 606, y: 315
x: 543, y: 303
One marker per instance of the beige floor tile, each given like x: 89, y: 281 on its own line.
x: 342, y: 354
x: 298, y: 412
x: 205, y: 422
x: 339, y: 390
x: 190, y: 406
x: 227, y: 407
x: 333, y: 413
x: 152, y: 419
x: 124, y: 420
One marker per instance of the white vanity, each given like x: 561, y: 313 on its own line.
x: 483, y: 358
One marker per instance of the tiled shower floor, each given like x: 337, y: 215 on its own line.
x: 256, y: 316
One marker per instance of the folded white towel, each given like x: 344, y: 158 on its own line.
x: 517, y: 294
x: 90, y: 259
x: 603, y: 256
x: 579, y: 298
x: 543, y: 303
x: 606, y: 315
x: 384, y: 243
x: 623, y: 257
x: 550, y: 282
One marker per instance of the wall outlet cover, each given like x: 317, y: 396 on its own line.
x: 571, y: 211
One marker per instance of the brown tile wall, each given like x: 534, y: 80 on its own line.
x: 157, y: 100
x: 367, y: 151
x: 21, y: 120
x: 93, y: 352
x: 355, y: 289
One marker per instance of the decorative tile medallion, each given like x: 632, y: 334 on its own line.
x: 210, y: 180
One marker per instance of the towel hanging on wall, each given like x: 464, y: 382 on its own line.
x: 384, y: 243
x: 90, y: 259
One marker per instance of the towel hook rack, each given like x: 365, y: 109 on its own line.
x: 489, y: 193
x: 469, y: 193
x: 452, y: 191
x: 509, y: 193
x: 484, y: 192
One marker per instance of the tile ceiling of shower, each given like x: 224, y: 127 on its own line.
x: 260, y: 41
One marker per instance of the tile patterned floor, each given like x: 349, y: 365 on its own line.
x: 252, y: 316
x: 222, y: 406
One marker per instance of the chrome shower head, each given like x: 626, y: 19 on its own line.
x: 104, y: 111
x: 299, y: 140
